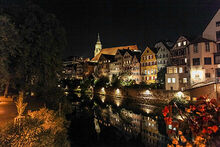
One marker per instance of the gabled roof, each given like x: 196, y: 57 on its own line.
x: 200, y: 39
x: 108, y: 57
x: 112, y: 51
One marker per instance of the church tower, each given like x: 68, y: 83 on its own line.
x: 98, y: 46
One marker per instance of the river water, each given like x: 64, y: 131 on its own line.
x: 100, y: 120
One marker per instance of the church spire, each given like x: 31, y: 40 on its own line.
x: 98, y: 38
x: 98, y: 46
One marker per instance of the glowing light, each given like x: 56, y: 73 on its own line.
x: 66, y: 93
x: 147, y: 110
x: 147, y: 92
x: 194, y: 99
x: 197, y: 74
x: 179, y: 94
x: 117, y: 102
x: 102, y: 97
x: 32, y: 93
x: 117, y: 91
x: 102, y: 91
x: 58, y: 85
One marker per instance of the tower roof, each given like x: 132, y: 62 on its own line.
x: 112, y: 51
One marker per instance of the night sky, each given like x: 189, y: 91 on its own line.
x: 119, y: 22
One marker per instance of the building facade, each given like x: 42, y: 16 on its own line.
x: 178, y: 74
x: 149, y: 66
x: 163, y: 54
x: 201, y: 59
x: 212, y: 30
x: 104, y: 65
x: 176, y: 78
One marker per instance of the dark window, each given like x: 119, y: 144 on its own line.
x: 218, y: 47
x: 207, y: 75
x: 207, y: 47
x: 218, y: 24
x: 217, y: 59
x: 218, y: 35
x: 218, y: 72
x: 196, y: 61
x: 207, y: 61
x: 195, y: 48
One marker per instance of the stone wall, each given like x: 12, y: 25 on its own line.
x: 141, y: 93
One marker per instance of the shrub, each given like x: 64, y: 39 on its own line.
x: 40, y: 128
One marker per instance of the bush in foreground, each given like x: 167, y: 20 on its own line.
x: 40, y: 128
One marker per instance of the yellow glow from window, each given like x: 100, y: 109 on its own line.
x: 197, y: 74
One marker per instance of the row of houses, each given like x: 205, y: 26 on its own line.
x: 189, y: 62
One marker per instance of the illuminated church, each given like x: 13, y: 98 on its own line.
x: 109, y: 51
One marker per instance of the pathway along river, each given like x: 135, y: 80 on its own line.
x: 106, y: 121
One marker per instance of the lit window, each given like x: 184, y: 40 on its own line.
x: 147, y: 78
x: 170, y: 70
x: 145, y: 71
x: 179, y: 44
x: 152, y: 71
x: 174, y: 129
x: 173, y: 80
x: 185, y: 60
x: 175, y: 70
x: 169, y: 80
x: 170, y: 126
x: 180, y: 70
x: 148, y: 71
x: 184, y: 80
x: 184, y: 42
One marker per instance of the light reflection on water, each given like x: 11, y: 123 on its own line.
x: 115, y: 114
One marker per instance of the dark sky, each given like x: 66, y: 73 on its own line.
x: 126, y: 22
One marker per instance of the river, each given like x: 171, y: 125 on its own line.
x: 105, y: 121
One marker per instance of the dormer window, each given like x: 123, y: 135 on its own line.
x: 184, y: 42
x: 179, y: 44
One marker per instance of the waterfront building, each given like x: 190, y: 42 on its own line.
x: 149, y: 66
x: 177, y: 78
x: 131, y: 66
x: 104, y: 65
x: 163, y: 54
x: 201, y: 60
x: 212, y: 30
x: 178, y: 74
x: 113, y: 51
x: 70, y: 67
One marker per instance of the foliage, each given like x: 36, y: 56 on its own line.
x: 198, y: 122
x: 161, y: 76
x: 42, y: 128
x: 115, y: 82
x: 101, y: 82
x: 9, y: 42
x: 38, y: 58
x: 20, y: 104
x: 86, y: 83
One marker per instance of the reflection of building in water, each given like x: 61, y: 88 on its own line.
x: 133, y: 124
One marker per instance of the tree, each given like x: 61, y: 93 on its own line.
x: 161, y: 77
x: 9, y: 42
x: 42, y: 40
